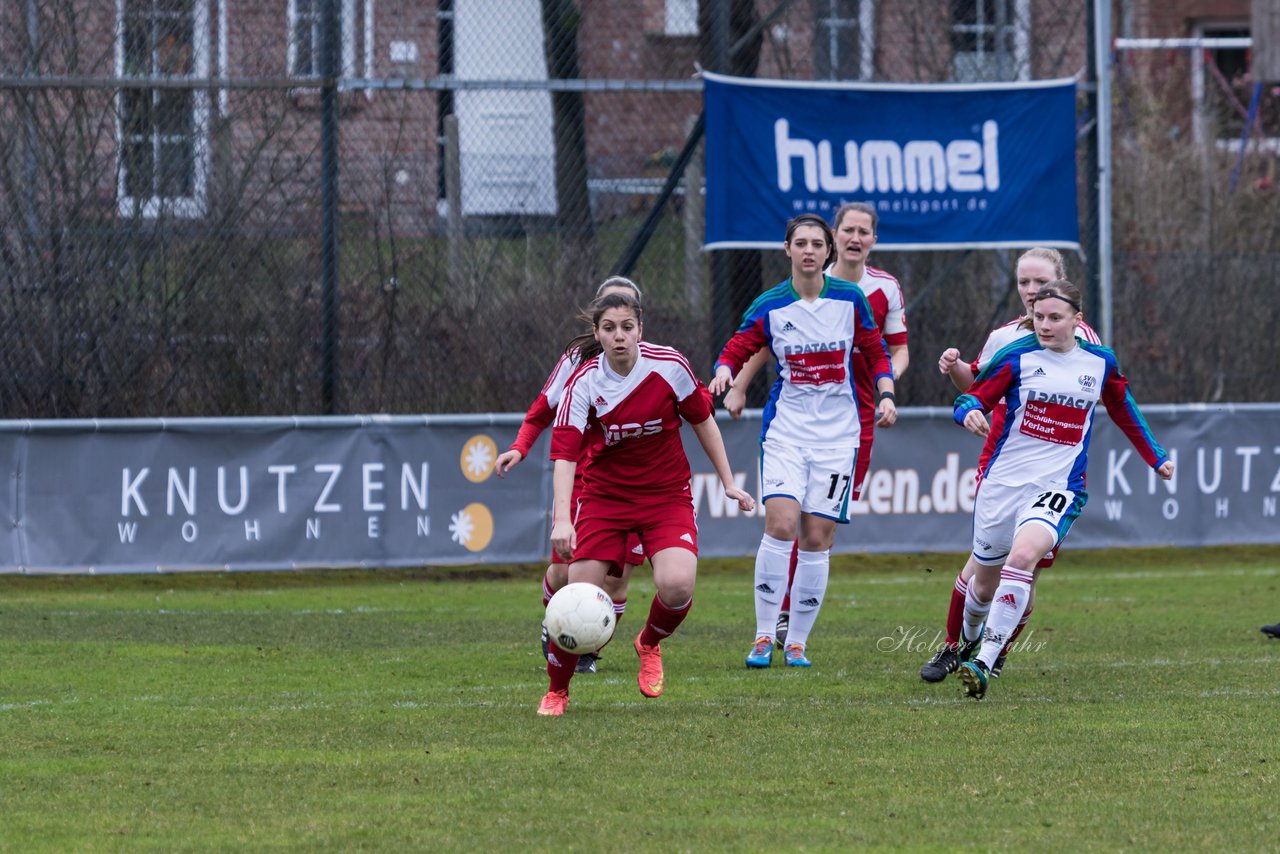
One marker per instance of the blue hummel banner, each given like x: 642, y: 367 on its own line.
x: 945, y: 165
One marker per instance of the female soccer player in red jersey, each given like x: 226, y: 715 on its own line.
x: 1035, y: 269
x: 631, y: 398
x: 816, y: 326
x: 1033, y: 487
x: 540, y: 415
x: 855, y: 226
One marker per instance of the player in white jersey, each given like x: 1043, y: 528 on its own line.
x: 1033, y: 488
x: 1035, y: 269
x: 854, y: 225
x: 540, y: 415
x: 626, y: 405
x: 815, y: 325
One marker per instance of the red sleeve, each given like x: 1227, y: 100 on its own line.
x: 1125, y: 414
x: 987, y: 391
x: 539, y: 416
x: 742, y: 346
x: 698, y: 406
x: 567, y: 443
x: 873, y: 349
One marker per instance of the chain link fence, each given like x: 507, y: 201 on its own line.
x: 199, y: 216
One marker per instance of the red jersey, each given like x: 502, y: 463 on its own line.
x: 543, y: 409
x: 884, y: 295
x: 638, y: 448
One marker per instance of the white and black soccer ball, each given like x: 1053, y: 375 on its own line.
x: 580, y: 618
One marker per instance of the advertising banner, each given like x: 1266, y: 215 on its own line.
x: 232, y: 494
x: 945, y: 165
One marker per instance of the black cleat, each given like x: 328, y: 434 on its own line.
x: 587, y: 663
x: 780, y: 634
x: 1272, y: 631
x: 546, y: 642
x: 944, y: 661
x: 974, y: 675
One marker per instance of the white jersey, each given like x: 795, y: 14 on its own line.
x: 813, y: 403
x: 1001, y: 337
x: 1050, y: 399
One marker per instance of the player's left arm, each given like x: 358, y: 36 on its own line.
x: 1126, y: 415
x: 708, y: 433
x: 899, y: 359
x: 697, y: 409
x: 875, y: 352
x: 895, y: 331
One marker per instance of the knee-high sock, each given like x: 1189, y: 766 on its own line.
x: 560, y: 666
x: 1022, y: 624
x: 812, y: 571
x: 791, y: 576
x: 771, y: 582
x: 1006, y: 609
x: 663, y: 620
x: 547, y: 592
x: 955, y: 611
x: 974, y: 613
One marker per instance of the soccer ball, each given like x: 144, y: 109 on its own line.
x: 580, y: 618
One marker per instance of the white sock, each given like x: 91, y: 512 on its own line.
x: 1006, y: 609
x: 975, y: 613
x: 773, y: 560
x: 807, y: 592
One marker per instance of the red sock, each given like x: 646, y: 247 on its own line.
x: 560, y: 665
x: 791, y: 576
x: 662, y: 621
x: 955, y: 613
x: 547, y: 592
x: 1013, y: 636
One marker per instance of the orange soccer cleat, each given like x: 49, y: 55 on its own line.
x: 554, y: 703
x: 650, y: 676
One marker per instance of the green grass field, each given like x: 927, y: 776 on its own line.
x: 395, y: 710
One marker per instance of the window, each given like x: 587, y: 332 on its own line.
x: 162, y: 132
x: 1222, y: 86
x: 306, y: 34
x: 681, y: 17
x: 844, y: 39
x: 990, y: 40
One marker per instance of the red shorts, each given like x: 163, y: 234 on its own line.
x: 635, y: 551
x: 606, y: 528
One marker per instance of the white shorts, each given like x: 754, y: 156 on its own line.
x: 819, y: 478
x: 999, y: 511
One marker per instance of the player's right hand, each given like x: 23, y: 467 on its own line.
x: 948, y: 360
x: 721, y: 381
x: 506, y: 461
x: 564, y: 539
x: 975, y: 422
